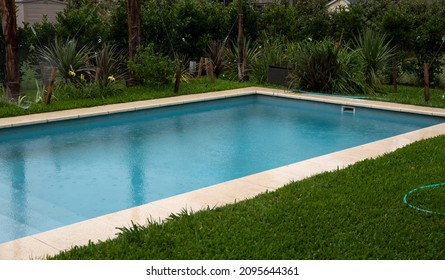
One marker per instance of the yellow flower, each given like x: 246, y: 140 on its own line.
x: 72, y: 73
x: 82, y: 77
x: 111, y: 78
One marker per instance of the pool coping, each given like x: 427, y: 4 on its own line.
x: 47, y: 243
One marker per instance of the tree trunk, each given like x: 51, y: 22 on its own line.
x: 178, y: 76
x: 49, y: 88
x: 134, y: 35
x: 241, y: 48
x: 394, y: 74
x: 426, y: 77
x: 9, y: 25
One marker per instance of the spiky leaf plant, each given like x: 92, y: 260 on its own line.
x: 252, y: 53
x: 326, y: 67
x: 109, y: 65
x: 316, y: 66
x: 272, y: 53
x: 70, y: 59
x: 217, y: 54
x: 376, y: 52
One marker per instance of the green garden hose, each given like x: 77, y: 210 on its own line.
x: 405, y: 198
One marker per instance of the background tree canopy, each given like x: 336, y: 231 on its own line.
x: 186, y: 27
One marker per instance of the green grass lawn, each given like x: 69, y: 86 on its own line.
x: 126, y: 95
x: 354, y: 213
x: 413, y: 95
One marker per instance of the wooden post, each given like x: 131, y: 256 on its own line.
x: 241, y: 53
x: 394, y: 74
x: 426, y: 78
x: 178, y: 76
x: 209, y: 69
x: 201, y: 62
x: 9, y: 25
x: 49, y: 89
x: 134, y: 34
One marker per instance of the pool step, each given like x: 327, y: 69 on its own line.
x: 39, y: 216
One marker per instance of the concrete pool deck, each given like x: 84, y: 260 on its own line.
x: 104, y: 227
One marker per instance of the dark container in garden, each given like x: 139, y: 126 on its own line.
x: 278, y: 75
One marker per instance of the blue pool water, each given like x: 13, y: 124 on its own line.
x: 60, y: 173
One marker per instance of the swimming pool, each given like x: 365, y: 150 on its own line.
x: 60, y: 173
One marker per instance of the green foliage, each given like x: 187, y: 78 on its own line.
x: 416, y: 27
x: 252, y: 52
x: 154, y: 69
x: 312, y: 21
x: 351, y: 76
x: 183, y: 26
x: 279, y: 20
x: 118, y: 35
x: 187, y: 27
x: 88, y: 90
x: 375, y: 51
x: 85, y: 74
x: 87, y: 21
x: 429, y: 41
x: 316, y: 66
x: 326, y: 67
x: 68, y: 100
x: 70, y: 59
x: 217, y: 54
x: 347, y: 23
x: 109, y: 66
x: 272, y: 52
x: 397, y: 23
x: 413, y: 95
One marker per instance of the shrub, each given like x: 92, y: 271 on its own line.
x: 325, y: 67
x: 217, y: 54
x: 154, y: 69
x: 108, y: 65
x: 316, y: 66
x: 375, y: 51
x: 272, y: 52
x: 351, y: 77
x: 251, y: 51
x: 70, y: 60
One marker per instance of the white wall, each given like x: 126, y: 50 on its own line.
x: 33, y: 12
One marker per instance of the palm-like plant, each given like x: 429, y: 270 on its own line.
x: 316, y: 66
x: 323, y: 66
x: 70, y: 59
x: 109, y: 65
x: 351, y: 78
x: 376, y: 52
x: 217, y: 54
x: 252, y: 53
x: 272, y: 53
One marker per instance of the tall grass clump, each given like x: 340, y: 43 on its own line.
x: 351, y: 77
x: 217, y: 54
x: 271, y: 53
x: 109, y: 65
x: 326, y: 67
x: 83, y: 73
x: 68, y: 57
x: 316, y: 66
x: 252, y: 52
x: 375, y: 51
